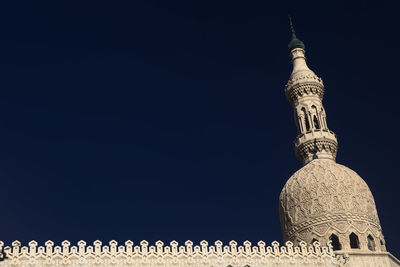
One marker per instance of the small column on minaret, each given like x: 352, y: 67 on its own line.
x: 321, y: 125
x: 300, y: 120
x: 310, y: 121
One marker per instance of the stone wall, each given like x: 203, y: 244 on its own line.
x: 369, y: 259
x: 143, y: 254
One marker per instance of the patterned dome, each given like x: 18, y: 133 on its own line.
x: 323, y: 199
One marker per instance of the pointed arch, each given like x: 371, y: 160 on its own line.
x: 316, y: 123
x: 354, y: 242
x: 335, y: 242
x: 306, y: 121
x: 371, y: 243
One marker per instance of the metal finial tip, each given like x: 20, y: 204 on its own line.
x: 295, y: 42
x: 291, y: 27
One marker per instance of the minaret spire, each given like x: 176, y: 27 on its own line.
x: 324, y: 201
x: 292, y: 28
x: 295, y: 42
x: 305, y: 91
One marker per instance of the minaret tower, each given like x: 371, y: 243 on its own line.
x: 305, y: 92
x: 324, y: 201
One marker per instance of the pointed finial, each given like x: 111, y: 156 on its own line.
x: 294, y: 43
x: 291, y: 27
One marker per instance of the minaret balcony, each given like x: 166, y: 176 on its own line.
x: 315, y: 134
x: 321, y: 144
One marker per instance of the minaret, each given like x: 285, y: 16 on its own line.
x: 305, y: 92
x: 325, y: 201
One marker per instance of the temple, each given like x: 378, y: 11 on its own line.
x: 325, y: 201
x: 327, y: 212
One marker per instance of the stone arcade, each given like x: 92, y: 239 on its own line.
x: 327, y: 212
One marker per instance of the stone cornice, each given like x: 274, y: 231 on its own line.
x: 306, y: 88
x: 145, y: 254
x: 326, y: 144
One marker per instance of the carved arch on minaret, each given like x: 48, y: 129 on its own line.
x: 315, y: 117
x: 306, y: 116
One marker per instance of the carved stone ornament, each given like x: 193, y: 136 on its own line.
x: 172, y: 255
x: 325, y: 198
x: 303, y: 87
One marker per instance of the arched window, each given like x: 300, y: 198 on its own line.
x: 313, y: 240
x: 306, y: 119
x: 315, y: 118
x: 354, y: 242
x: 316, y: 123
x: 371, y: 243
x: 335, y: 242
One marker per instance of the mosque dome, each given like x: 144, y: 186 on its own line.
x: 326, y: 201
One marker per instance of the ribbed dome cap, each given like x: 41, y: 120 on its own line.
x: 296, y: 43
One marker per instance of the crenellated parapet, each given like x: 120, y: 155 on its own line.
x: 159, y: 254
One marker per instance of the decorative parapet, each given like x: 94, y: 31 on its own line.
x: 324, y: 143
x: 163, y: 255
x: 294, y: 91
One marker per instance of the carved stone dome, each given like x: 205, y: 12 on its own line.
x: 327, y: 201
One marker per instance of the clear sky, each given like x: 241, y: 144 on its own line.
x: 167, y: 119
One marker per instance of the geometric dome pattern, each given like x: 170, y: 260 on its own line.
x: 325, y: 198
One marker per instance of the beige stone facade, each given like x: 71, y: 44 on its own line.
x: 173, y: 255
x: 366, y: 259
x: 188, y: 254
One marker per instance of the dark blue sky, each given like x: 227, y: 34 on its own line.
x: 167, y: 119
